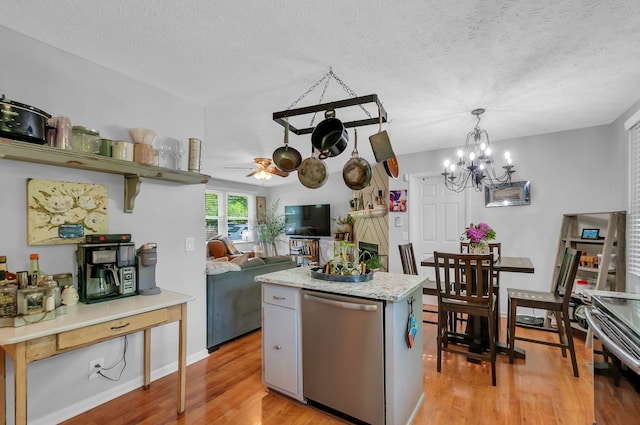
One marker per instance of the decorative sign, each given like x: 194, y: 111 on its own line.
x: 398, y: 200
x: 64, y: 212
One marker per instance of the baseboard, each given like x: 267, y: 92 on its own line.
x: 82, y: 406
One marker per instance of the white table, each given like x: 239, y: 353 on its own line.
x: 87, y: 324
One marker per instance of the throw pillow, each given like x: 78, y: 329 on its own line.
x: 231, y: 248
x: 240, y: 260
x: 218, y: 267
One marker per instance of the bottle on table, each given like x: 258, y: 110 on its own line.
x: 35, y: 274
x: 3, y: 269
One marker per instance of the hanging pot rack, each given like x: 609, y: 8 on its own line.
x: 280, y: 117
x: 355, y: 100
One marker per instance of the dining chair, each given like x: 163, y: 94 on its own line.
x: 556, y: 301
x: 465, y: 286
x: 409, y: 266
x: 495, y: 248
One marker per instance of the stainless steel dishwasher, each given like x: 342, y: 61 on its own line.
x: 343, y: 355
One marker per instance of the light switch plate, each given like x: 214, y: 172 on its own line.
x: 398, y: 221
x: 189, y: 244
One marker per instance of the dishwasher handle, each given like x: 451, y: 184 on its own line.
x: 342, y: 304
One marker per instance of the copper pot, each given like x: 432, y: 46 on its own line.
x: 313, y: 173
x: 286, y: 158
x: 356, y: 173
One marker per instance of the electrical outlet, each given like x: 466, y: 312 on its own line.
x: 95, y: 366
x: 189, y: 244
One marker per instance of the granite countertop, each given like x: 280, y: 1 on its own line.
x: 384, y: 285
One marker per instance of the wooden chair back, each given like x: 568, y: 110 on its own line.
x: 567, y: 274
x: 408, y: 259
x: 464, y: 278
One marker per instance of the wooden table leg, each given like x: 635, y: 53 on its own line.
x: 182, y: 358
x: 20, y: 382
x: 147, y: 359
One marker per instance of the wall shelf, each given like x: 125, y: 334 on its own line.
x: 133, y: 172
x: 374, y: 212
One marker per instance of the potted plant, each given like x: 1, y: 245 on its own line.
x: 344, y: 226
x: 271, y: 228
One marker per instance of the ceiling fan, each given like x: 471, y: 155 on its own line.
x: 264, y: 171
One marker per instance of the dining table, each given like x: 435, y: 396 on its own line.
x: 478, y: 330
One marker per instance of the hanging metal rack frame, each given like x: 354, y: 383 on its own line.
x: 281, y: 116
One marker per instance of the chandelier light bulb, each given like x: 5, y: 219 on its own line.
x: 460, y: 153
x: 447, y: 163
x: 452, y: 167
x: 472, y: 156
x: 487, y: 151
x: 507, y: 155
x: 482, y: 166
x: 483, y: 146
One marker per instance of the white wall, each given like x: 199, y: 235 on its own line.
x: 164, y: 212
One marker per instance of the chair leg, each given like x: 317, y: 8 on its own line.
x: 561, y: 333
x: 512, y: 328
x: 492, y: 346
x: 441, y: 322
x: 497, y: 326
x: 572, y: 349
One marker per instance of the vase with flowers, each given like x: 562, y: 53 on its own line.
x: 479, y: 236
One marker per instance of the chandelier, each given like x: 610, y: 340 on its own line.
x: 474, y: 166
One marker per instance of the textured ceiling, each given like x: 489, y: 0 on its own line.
x: 536, y: 66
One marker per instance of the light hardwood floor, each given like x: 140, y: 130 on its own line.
x: 226, y: 388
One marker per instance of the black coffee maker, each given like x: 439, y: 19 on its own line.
x: 106, y: 271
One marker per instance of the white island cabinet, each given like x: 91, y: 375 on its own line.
x: 281, y: 343
x: 286, y: 320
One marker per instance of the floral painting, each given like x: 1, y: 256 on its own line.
x: 64, y: 212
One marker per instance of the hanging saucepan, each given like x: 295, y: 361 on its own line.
x: 356, y: 173
x: 391, y: 167
x: 22, y: 122
x: 330, y: 137
x: 380, y: 143
x: 286, y: 158
x: 312, y: 173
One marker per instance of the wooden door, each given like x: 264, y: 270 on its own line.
x: 438, y: 217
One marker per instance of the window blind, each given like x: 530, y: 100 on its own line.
x: 633, y: 223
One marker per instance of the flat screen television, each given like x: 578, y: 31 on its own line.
x: 308, y: 220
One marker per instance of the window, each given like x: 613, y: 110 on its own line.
x: 633, y: 232
x: 229, y: 214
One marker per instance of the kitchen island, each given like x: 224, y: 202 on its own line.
x: 343, y: 346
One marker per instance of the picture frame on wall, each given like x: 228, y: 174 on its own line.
x: 511, y: 194
x: 261, y: 208
x: 65, y: 212
x: 398, y: 200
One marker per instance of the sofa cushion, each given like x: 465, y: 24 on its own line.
x: 276, y: 259
x: 252, y: 262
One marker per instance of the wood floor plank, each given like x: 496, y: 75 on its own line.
x: 226, y: 388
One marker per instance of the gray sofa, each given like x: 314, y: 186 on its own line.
x: 234, y: 300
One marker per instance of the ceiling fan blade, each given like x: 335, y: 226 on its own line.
x: 253, y: 173
x: 278, y: 172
